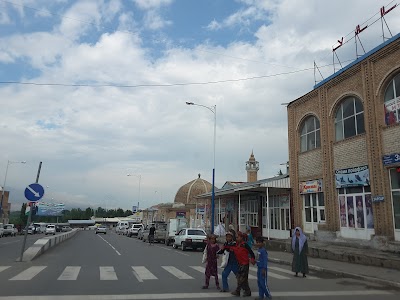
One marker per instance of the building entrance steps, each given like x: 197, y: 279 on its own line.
x: 344, y: 253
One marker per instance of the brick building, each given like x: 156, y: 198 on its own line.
x: 344, y: 150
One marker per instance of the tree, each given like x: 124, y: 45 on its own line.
x: 128, y: 213
x: 88, y: 213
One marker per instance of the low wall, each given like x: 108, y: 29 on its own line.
x: 44, y: 244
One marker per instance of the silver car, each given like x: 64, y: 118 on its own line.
x: 195, y: 238
x: 101, y: 229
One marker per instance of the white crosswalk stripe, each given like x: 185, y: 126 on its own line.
x: 70, y: 273
x: 142, y: 273
x: 108, y: 273
x: 203, y: 270
x: 287, y: 272
x: 271, y: 274
x: 177, y: 273
x: 29, y: 273
x: 2, y: 268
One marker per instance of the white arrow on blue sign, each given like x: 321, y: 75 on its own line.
x: 34, y: 192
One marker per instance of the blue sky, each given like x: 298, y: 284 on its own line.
x: 90, y: 137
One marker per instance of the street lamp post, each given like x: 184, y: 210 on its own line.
x: 4, y: 185
x: 140, y: 179
x: 213, y: 109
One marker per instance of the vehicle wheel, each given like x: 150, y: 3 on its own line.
x: 45, y: 233
x: 174, y: 246
x: 96, y: 232
x: 183, y: 246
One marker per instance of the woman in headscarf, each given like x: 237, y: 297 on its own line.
x: 300, y: 250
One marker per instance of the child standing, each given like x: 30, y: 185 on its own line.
x: 262, y: 270
x: 232, y: 265
x: 243, y: 255
x: 211, y: 266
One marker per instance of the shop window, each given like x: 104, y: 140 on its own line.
x: 310, y: 134
x: 392, y: 101
x: 279, y: 212
x: 349, y: 119
x: 395, y: 185
x: 314, y: 207
x: 355, y: 206
x: 250, y: 214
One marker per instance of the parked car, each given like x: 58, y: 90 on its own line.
x: 194, y: 238
x: 101, y: 229
x: 9, y: 229
x: 66, y: 229
x: 134, y: 230
x: 159, y: 236
x: 50, y: 229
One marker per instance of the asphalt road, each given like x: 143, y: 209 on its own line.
x: 90, y: 266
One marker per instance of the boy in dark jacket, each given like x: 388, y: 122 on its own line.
x: 232, y: 265
x: 244, y: 255
x: 262, y: 270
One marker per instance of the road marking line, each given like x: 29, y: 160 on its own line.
x: 176, y: 272
x: 271, y: 274
x: 293, y: 294
x: 142, y: 273
x: 70, y: 273
x: 2, y: 268
x: 108, y: 273
x: 109, y: 244
x: 29, y: 273
x: 289, y: 272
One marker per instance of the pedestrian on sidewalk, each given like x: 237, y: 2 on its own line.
x: 262, y: 270
x: 244, y: 255
x: 212, y: 265
x: 152, y: 232
x: 232, y: 265
x: 300, y: 251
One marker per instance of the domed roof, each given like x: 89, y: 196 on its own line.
x: 187, y: 192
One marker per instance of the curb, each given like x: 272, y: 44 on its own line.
x: 341, y: 273
x: 44, y: 244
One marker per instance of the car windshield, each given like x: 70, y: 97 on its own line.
x: 196, y: 232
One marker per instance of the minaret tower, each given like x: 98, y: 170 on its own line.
x: 252, y: 168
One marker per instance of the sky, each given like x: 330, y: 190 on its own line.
x: 96, y: 89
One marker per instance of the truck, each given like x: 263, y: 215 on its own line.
x: 173, y: 227
x: 159, y: 236
x: 9, y: 229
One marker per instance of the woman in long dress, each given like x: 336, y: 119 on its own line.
x: 211, y: 266
x: 300, y: 249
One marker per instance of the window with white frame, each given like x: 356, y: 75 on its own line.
x: 349, y: 120
x: 279, y: 212
x: 250, y: 213
x: 392, y: 101
x: 314, y: 207
x: 310, y: 134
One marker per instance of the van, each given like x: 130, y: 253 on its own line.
x: 123, y: 226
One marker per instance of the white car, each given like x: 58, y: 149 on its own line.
x: 134, y: 229
x: 195, y: 238
x: 101, y: 229
x: 50, y: 229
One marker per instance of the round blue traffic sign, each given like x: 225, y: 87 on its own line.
x: 34, y: 192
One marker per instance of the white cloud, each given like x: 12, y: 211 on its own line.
x: 152, y: 4
x: 154, y: 21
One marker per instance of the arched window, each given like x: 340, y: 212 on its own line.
x: 310, y: 134
x: 349, y: 120
x: 392, y: 101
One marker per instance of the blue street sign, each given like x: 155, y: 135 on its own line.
x: 391, y: 159
x: 34, y: 192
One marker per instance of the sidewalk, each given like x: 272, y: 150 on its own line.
x: 380, y: 275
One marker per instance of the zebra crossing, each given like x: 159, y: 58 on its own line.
x: 141, y: 273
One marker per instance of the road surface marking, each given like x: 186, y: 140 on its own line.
x: 107, y: 273
x: 270, y: 274
x: 288, y: 272
x: 29, y: 273
x: 141, y: 273
x: 165, y: 248
x: 177, y: 273
x: 203, y: 270
x: 70, y: 273
x: 2, y: 268
x: 293, y: 294
x: 109, y: 244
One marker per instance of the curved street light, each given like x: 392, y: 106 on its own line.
x: 213, y: 109
x: 9, y: 162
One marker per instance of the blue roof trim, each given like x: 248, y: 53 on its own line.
x: 369, y: 53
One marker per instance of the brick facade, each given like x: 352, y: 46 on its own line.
x: 367, y: 81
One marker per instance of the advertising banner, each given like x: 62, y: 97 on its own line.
x: 358, y: 176
x: 392, y: 109
x: 312, y: 186
x: 49, y: 209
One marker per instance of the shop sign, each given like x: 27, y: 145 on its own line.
x: 201, y: 210
x: 358, y: 176
x: 379, y: 198
x: 391, y: 159
x: 312, y: 186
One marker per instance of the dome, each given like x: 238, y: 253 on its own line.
x: 196, y: 187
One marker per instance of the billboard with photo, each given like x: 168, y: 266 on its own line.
x: 49, y: 209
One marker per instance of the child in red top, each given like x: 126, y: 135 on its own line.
x: 244, y: 255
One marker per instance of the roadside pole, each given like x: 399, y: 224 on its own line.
x: 29, y: 217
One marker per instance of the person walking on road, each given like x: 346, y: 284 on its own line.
x: 232, y: 265
x: 211, y: 267
x: 262, y: 270
x: 300, y: 250
x: 244, y: 255
x: 152, y: 232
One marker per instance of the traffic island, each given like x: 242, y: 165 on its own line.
x: 44, y: 244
